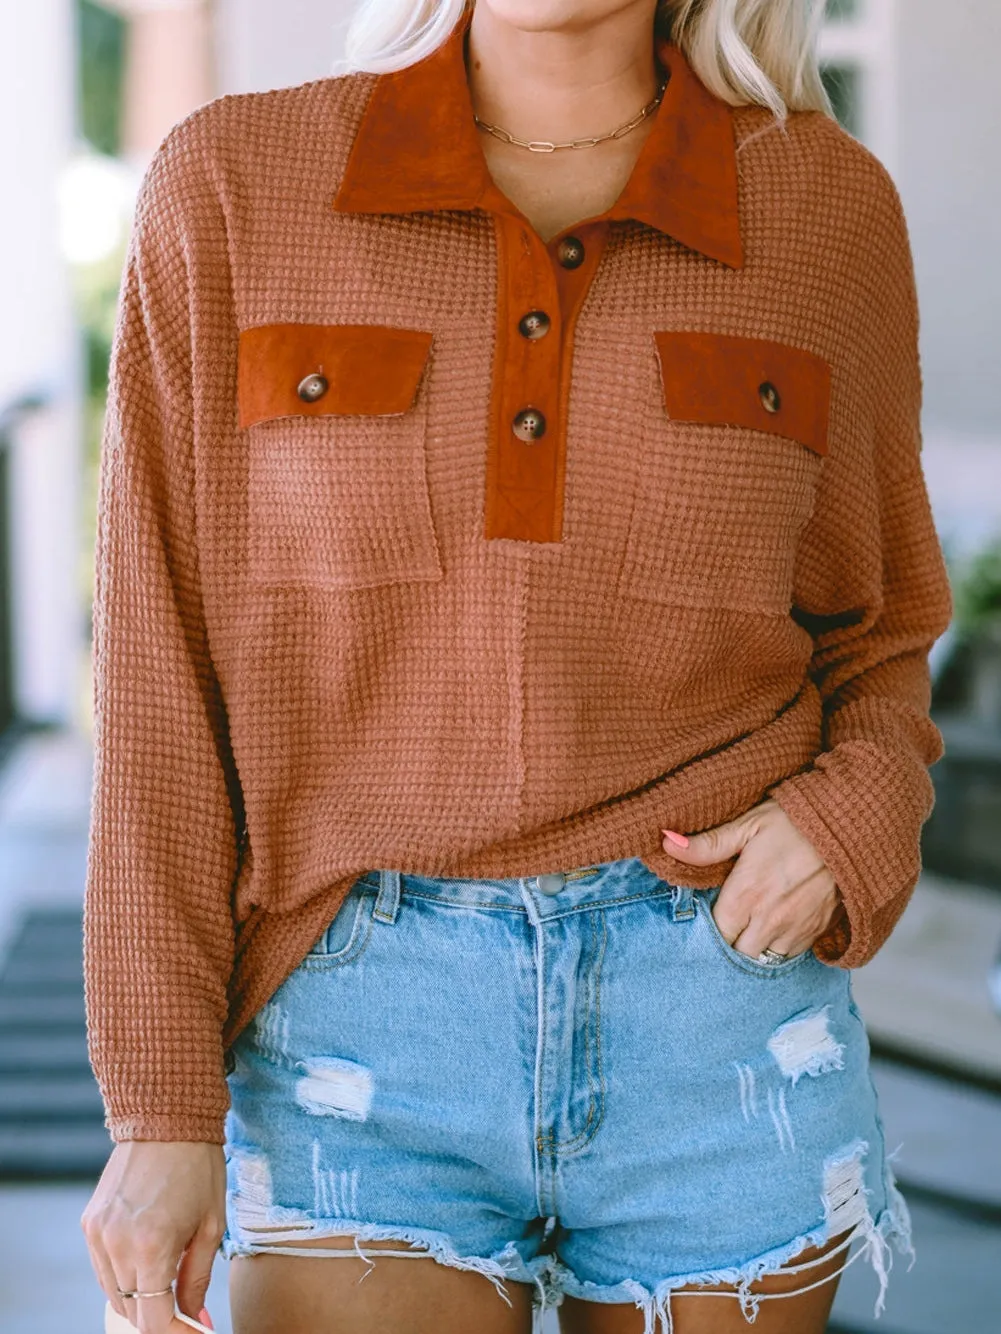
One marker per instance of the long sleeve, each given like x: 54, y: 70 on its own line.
x: 158, y: 939
x: 871, y: 587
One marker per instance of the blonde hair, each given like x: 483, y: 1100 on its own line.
x: 745, y: 51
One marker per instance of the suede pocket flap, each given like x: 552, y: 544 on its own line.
x: 751, y: 382
x: 307, y: 370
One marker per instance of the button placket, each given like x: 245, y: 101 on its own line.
x: 520, y: 473
x: 538, y: 298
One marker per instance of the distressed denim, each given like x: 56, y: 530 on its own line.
x: 569, y: 1080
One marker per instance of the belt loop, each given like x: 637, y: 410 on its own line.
x: 387, y: 903
x: 684, y: 904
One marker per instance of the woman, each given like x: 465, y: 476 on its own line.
x: 547, y: 522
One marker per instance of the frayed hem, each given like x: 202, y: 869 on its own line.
x: 892, y: 1226
x: 504, y: 1265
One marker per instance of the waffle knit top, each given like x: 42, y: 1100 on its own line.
x: 388, y: 575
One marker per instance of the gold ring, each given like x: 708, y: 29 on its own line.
x: 162, y: 1293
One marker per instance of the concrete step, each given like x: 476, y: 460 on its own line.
x: 926, y: 991
x: 951, y: 1289
x: 42, y: 1050
x: 949, y: 1135
x: 42, y: 1008
x: 29, y: 974
x: 45, y: 1097
x: 38, y: 1151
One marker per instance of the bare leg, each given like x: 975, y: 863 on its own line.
x: 273, y: 1294
x: 804, y: 1314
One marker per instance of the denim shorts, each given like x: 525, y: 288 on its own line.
x: 569, y: 1080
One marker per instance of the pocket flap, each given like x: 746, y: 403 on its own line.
x: 316, y: 369
x: 754, y: 382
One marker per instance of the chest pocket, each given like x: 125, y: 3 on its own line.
x: 336, y: 423
x: 730, y: 454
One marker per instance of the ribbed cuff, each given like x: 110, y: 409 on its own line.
x: 166, y: 1126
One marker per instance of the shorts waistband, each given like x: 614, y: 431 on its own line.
x: 547, y: 894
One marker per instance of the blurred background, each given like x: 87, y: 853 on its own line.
x: 87, y: 91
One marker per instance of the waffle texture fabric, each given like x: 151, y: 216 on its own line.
x: 329, y: 632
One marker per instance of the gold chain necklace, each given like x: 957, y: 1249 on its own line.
x: 546, y: 146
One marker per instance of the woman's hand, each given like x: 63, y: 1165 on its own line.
x: 157, y: 1206
x: 780, y: 895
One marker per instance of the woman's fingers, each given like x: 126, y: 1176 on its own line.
x: 141, y: 1267
x: 101, y: 1264
x: 780, y: 894
x: 785, y: 919
x: 729, y: 916
x: 755, y: 940
x: 150, y: 1315
x: 155, y: 1202
x: 195, y: 1269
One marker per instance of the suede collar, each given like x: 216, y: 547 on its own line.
x: 417, y: 149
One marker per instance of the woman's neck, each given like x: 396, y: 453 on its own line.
x: 565, y: 81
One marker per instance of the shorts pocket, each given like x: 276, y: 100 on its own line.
x: 335, y: 417
x: 705, y: 901
x: 729, y: 462
x: 346, y: 934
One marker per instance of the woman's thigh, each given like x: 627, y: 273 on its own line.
x: 271, y: 1294
x: 783, y: 1310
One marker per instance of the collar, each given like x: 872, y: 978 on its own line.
x: 417, y: 149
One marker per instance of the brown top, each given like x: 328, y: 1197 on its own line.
x: 355, y: 609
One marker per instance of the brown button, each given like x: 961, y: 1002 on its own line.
x: 534, y: 325
x: 529, y: 424
x: 312, y: 388
x: 769, y: 396
x: 570, y: 252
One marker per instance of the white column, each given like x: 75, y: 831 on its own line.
x: 950, y: 114
x: 261, y: 44
x: 169, y: 68
x: 40, y: 350
x: 950, y: 110
x: 869, y: 43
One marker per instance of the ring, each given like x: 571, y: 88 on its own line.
x: 162, y: 1293
x: 771, y: 956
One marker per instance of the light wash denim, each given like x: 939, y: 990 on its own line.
x: 569, y: 1080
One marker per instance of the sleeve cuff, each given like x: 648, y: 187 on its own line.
x: 151, y: 1126
x: 848, y: 941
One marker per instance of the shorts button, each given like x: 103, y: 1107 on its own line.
x: 312, y: 388
x: 552, y: 883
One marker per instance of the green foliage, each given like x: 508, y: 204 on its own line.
x: 96, y: 300
x: 977, y: 592
x: 842, y: 84
x: 101, y: 55
x: 95, y: 290
x: 102, y: 36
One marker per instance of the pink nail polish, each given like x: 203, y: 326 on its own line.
x: 205, y: 1319
x: 680, y: 839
